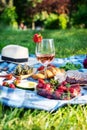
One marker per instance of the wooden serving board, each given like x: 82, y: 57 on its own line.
x: 25, y: 76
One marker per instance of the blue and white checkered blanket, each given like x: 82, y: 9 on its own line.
x: 29, y: 99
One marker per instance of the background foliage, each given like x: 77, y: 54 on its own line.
x: 69, y: 13
x: 9, y: 16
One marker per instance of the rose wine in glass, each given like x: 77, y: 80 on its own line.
x: 45, y: 52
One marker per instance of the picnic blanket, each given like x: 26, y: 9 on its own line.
x: 29, y: 99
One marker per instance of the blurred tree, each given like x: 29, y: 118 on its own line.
x: 52, y: 21
x: 30, y: 11
x: 20, y: 9
x: 78, y: 13
x: 39, y: 10
x: 26, y: 10
x: 6, y: 3
x: 8, y: 14
x: 80, y: 16
x: 2, y: 6
x: 36, y: 9
x: 33, y: 11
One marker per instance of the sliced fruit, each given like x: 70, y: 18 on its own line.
x: 27, y: 85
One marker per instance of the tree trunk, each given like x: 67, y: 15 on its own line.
x: 33, y: 25
x: 3, y: 1
x: 9, y: 2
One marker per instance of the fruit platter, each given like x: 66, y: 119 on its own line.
x: 66, y: 83
x: 62, y: 83
x: 59, y: 91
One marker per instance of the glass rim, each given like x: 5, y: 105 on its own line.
x: 47, y: 39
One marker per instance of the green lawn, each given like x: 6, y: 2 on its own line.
x: 67, y: 42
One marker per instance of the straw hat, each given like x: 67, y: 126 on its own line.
x: 14, y: 53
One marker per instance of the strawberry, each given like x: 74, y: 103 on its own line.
x: 75, y: 90
x: 11, y: 85
x: 58, y: 93
x: 47, y: 86
x: 37, y: 38
x: 62, y: 87
x: 74, y: 94
x: 49, y: 93
x: 40, y: 68
x: 64, y: 83
x: 47, y: 90
x: 71, y: 89
x: 41, y: 81
x: 40, y: 85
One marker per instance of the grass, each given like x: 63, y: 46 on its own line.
x: 70, y: 117
x: 67, y: 42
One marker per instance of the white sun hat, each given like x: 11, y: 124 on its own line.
x: 15, y: 53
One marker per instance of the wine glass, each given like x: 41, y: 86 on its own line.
x: 45, y: 52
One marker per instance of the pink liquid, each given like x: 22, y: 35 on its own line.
x: 46, y: 58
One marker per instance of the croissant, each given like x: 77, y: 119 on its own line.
x: 49, y: 73
x: 55, y: 70
x: 38, y: 76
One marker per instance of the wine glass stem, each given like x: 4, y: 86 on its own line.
x: 45, y: 68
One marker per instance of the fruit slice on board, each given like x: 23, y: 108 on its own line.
x: 27, y: 85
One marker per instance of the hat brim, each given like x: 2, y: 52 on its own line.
x: 1, y: 59
x: 11, y: 61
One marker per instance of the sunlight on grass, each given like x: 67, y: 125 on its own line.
x: 67, y: 42
x: 69, y: 117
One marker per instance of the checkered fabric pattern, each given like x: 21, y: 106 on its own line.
x: 29, y: 99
